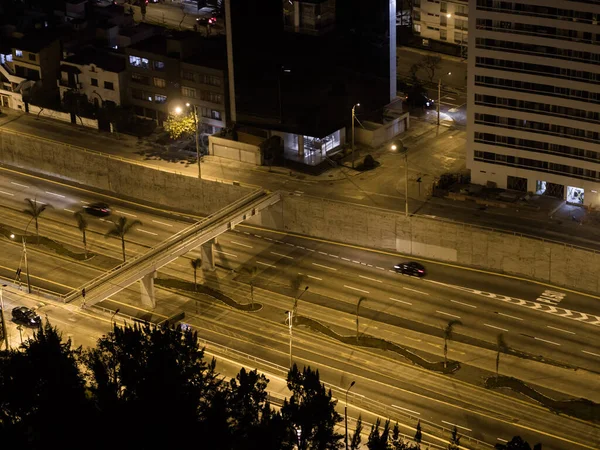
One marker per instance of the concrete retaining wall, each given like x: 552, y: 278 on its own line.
x: 118, y: 176
x: 547, y: 261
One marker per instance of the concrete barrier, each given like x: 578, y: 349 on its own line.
x: 119, y: 176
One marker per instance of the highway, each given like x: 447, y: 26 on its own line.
x: 405, y: 310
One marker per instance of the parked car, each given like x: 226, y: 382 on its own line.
x: 26, y: 316
x: 98, y: 209
x: 411, y: 268
x: 207, y: 20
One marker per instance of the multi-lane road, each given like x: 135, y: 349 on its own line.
x: 541, y: 321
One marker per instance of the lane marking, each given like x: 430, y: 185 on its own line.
x: 356, y: 262
x: 560, y: 329
x: 356, y: 289
x: 464, y: 304
x: 7, y: 193
x: 508, y: 315
x: 19, y: 184
x: 345, y: 259
x: 371, y: 279
x: 126, y: 213
x: 265, y: 264
x: 314, y: 278
x: 283, y: 256
x: 591, y: 353
x: 322, y: 253
x: 457, y: 426
x: 404, y: 409
x: 380, y: 268
x: 269, y: 239
x: 162, y: 223
x: 58, y: 195
x: 239, y: 243
x: 414, y: 290
x: 333, y: 256
x: 69, y: 210
x: 448, y: 314
x: 325, y: 267
x: 497, y: 328
x: 245, y: 232
x: 225, y: 253
x: 401, y: 301
x: 501, y: 440
x: 84, y: 202
x: 147, y: 232
x: 544, y: 340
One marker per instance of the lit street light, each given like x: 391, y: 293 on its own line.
x: 178, y: 110
x: 346, y: 414
x: 353, y: 118
x: 291, y: 316
x: 439, y: 96
x: 12, y: 236
x: 399, y: 145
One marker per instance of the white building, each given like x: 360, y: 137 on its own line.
x: 101, y: 76
x: 445, y: 21
x: 534, y: 97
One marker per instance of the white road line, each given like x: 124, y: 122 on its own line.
x: 371, y: 279
x: 225, y: 253
x: 322, y: 253
x: 69, y: 210
x: 380, y: 268
x: 357, y: 262
x: 265, y: 264
x: 269, y: 239
x: 590, y: 353
x: 239, y: 243
x: 279, y: 242
x: 501, y: 440
x: 464, y: 304
x: 345, y: 259
x: 147, y: 232
x: 560, y: 329
x: 57, y: 195
x: 162, y: 223
x: 507, y: 315
x: 404, y: 409
x: 282, y: 256
x: 84, y: 202
x: 457, y: 426
x: 401, y: 301
x: 414, y: 290
x: 245, y: 232
x: 18, y: 184
x: 290, y: 244
x: 126, y: 213
x: 544, y: 340
x: 325, y: 267
x: 303, y: 248
x: 448, y: 314
x: 356, y: 289
x: 7, y: 193
x: 299, y: 192
x: 333, y: 256
x: 310, y: 249
x: 314, y: 278
x: 497, y: 328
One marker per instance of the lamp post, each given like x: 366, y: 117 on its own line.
x: 4, y: 333
x: 439, y: 97
x: 353, y: 118
x: 114, y: 314
x: 12, y: 236
x: 400, y: 145
x: 291, y: 315
x: 346, y: 414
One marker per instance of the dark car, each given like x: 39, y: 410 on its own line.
x: 410, y: 268
x: 210, y: 20
x: 26, y: 316
x: 98, y: 209
x: 419, y: 99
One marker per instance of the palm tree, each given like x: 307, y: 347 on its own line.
x: 82, y: 224
x: 251, y: 272
x: 501, y: 347
x: 296, y: 283
x: 120, y: 228
x: 196, y: 264
x: 448, y: 336
x: 360, y: 300
x: 35, y: 210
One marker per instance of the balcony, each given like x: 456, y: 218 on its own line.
x: 69, y: 84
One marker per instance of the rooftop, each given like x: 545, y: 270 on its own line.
x: 105, y: 60
x: 36, y: 41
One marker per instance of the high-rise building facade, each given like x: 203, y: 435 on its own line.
x: 443, y: 21
x: 534, y: 97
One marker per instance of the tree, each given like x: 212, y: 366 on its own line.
x: 252, y: 272
x: 448, y: 332
x: 397, y: 441
x: 418, y: 433
x: 454, y: 440
x: 431, y: 64
x: 377, y: 440
x: 356, y: 437
x: 516, y: 443
x: 82, y: 224
x: 35, y: 210
x: 120, y: 229
x: 296, y: 283
x: 360, y: 300
x: 180, y: 125
x: 196, y: 264
x: 311, y: 409
x: 501, y: 347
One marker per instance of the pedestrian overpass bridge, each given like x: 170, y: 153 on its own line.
x: 143, y: 268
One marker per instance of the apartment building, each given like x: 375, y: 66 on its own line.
x: 442, y: 24
x: 534, y: 97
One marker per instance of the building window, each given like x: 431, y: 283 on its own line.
x: 417, y: 27
x: 212, y: 80
x: 160, y: 98
x: 137, y: 61
x: 137, y: 94
x: 212, y: 97
x: 159, y: 65
x: 109, y: 85
x: 94, y: 81
x: 160, y: 82
x: 138, y: 78
x: 443, y: 35
x: 32, y: 57
x: 216, y: 115
x: 187, y: 75
x: 188, y: 92
x: 18, y: 53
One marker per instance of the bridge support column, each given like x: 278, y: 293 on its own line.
x: 208, y: 255
x: 147, y: 290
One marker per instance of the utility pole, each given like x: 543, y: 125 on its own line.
x: 4, y: 333
x: 346, y: 415
x: 406, y: 182
x: 353, y: 118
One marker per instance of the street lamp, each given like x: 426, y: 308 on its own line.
x: 399, y: 145
x: 291, y: 315
x: 439, y: 96
x: 114, y: 314
x: 4, y: 333
x: 346, y: 414
x: 178, y: 110
x: 12, y: 236
x: 353, y: 118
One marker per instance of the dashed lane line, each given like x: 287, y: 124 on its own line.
x: 314, y: 278
x: 19, y: 184
x: 544, y: 340
x: 162, y: 223
x: 463, y: 303
x: 324, y: 266
x: 495, y: 327
x: 147, y: 232
x: 400, y: 301
x: 266, y: 264
x: 126, y: 213
x: 408, y: 410
x: 457, y: 426
x: 590, y: 353
x: 356, y: 289
x: 560, y: 329
x: 448, y: 314
x: 225, y: 253
x: 282, y: 255
x: 240, y: 244
x: 370, y: 279
x: 414, y: 290
x: 508, y: 315
x: 7, y: 193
